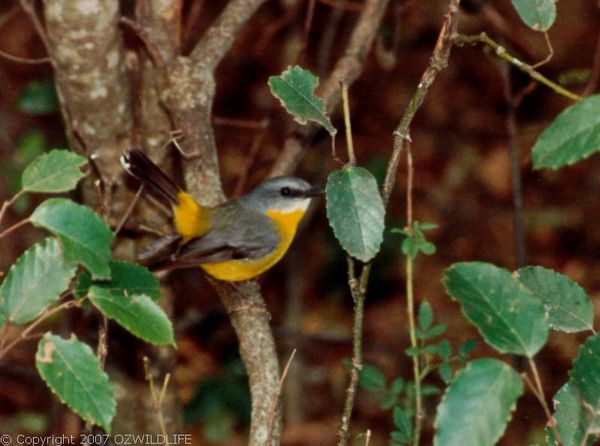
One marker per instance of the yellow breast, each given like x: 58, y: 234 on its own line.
x: 286, y: 224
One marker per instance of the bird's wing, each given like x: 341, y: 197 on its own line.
x: 235, y: 234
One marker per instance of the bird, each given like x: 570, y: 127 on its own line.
x: 234, y: 241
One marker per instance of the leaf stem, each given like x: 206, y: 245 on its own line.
x: 503, y: 54
x: 540, y: 396
x: 349, y: 142
x: 14, y: 227
x: 45, y: 315
x: 9, y: 203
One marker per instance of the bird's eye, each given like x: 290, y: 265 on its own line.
x: 285, y: 191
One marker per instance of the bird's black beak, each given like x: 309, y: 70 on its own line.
x: 313, y: 192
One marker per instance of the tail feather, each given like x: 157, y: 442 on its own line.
x: 137, y: 164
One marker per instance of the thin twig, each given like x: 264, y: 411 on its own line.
x: 276, y: 402
x: 309, y: 19
x: 14, y: 227
x: 25, y: 60
x: 146, y: 38
x: 540, y: 395
x: 439, y: 60
x: 550, y: 55
x: 45, y: 315
x: 29, y: 8
x: 9, y: 203
x: 252, y: 124
x: 358, y: 289
x: 156, y: 400
x: 526, y: 68
x: 348, y: 125
x: 410, y: 301
x: 136, y: 197
x: 348, y: 67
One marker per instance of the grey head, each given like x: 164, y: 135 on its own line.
x: 283, y: 194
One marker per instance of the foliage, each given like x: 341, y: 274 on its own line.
x: 41, y: 283
x: 537, y: 14
x: 295, y: 90
x: 573, y: 136
x: 355, y: 211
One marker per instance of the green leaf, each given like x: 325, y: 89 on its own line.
x: 295, y: 90
x: 397, y: 386
x: 355, y: 211
x: 38, y: 98
x: 72, y: 371
x: 478, y: 404
x: 445, y: 371
x: 126, y: 279
x: 573, y: 421
x: 567, y: 305
x: 425, y: 315
x: 467, y: 347
x: 138, y: 313
x: 574, y: 135
x: 509, y: 317
x: 434, y: 331
x: 371, y: 378
x: 36, y: 280
x: 55, y: 171
x: 403, y: 425
x: 585, y: 380
x: 415, y: 241
x: 30, y: 145
x: 444, y: 349
x: 388, y: 401
x: 539, y: 15
x: 84, y: 236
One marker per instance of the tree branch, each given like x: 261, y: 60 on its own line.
x: 218, y: 39
x: 347, y: 69
x: 438, y: 61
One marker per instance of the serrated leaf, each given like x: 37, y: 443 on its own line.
x: 84, y: 236
x: 567, y: 305
x: 572, y: 136
x: 355, y: 211
x: 126, y: 279
x: 585, y: 380
x: 371, y: 378
x: 572, y: 419
x: 508, y: 316
x: 138, y: 313
x: 55, y: 171
x: 478, y: 404
x: 539, y: 15
x: 38, y: 98
x: 295, y: 90
x: 36, y: 280
x: 72, y: 371
x: 425, y: 315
